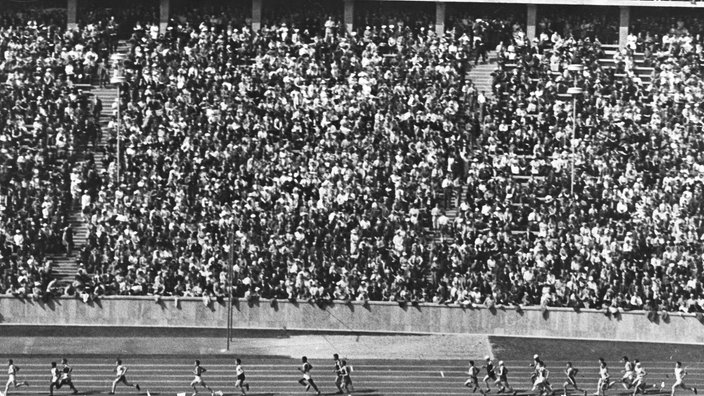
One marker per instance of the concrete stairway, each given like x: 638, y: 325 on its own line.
x: 66, y: 267
x: 63, y: 268
x: 452, y: 212
x: 639, y: 69
x: 107, y: 96
x: 481, y: 75
x: 123, y: 47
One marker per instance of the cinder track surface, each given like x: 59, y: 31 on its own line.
x: 169, y: 373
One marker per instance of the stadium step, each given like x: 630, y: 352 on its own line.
x: 65, y: 268
x: 123, y: 47
x: 640, y: 70
x: 452, y: 212
x: 481, y: 74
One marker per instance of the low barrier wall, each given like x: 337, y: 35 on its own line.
x: 374, y: 316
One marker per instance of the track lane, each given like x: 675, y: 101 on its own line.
x: 270, y: 374
x: 278, y: 376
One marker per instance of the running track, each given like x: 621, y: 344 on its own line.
x: 277, y: 375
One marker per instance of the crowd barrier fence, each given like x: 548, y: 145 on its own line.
x: 383, y: 317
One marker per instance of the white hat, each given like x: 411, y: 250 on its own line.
x: 487, y: 357
x: 535, y: 356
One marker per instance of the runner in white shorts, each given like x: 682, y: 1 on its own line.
x: 541, y: 384
x: 680, y: 373
x: 629, y: 375
x: 120, y: 371
x: 12, y: 377
x: 604, y: 378
x: 473, y: 380
x: 198, y: 380
x: 639, y: 384
x: 307, y: 380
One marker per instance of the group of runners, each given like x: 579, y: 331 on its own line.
x: 343, y: 380
x: 633, y: 379
x: 61, y: 376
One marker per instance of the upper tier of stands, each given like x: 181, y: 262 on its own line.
x: 322, y: 163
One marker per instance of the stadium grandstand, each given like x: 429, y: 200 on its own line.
x: 544, y: 153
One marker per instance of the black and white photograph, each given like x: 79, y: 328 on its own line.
x: 353, y: 197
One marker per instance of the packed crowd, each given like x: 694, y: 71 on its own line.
x: 486, y: 24
x: 581, y: 23
x: 305, y: 149
x: 118, y: 22
x: 217, y: 14
x: 419, y: 17
x: 629, y: 236
x: 322, y: 164
x: 45, y: 120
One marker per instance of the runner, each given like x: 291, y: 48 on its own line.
x: 338, y: 373
x: 502, y: 382
x: 680, y: 373
x: 307, y: 381
x: 536, y: 362
x: 120, y: 370
x: 12, y: 377
x: 571, y: 374
x: 55, y: 379
x: 66, y: 373
x: 639, y: 381
x: 604, y: 382
x: 240, y: 383
x: 473, y: 380
x: 198, y: 380
x: 541, y: 380
x: 490, y: 373
x: 629, y: 374
x: 345, y: 371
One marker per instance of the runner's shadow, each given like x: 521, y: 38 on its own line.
x: 100, y: 392
x: 248, y: 394
x: 368, y: 392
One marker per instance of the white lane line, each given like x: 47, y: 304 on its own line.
x: 294, y: 362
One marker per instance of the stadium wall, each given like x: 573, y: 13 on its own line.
x: 355, y: 317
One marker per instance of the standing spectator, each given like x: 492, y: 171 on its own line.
x: 67, y: 239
